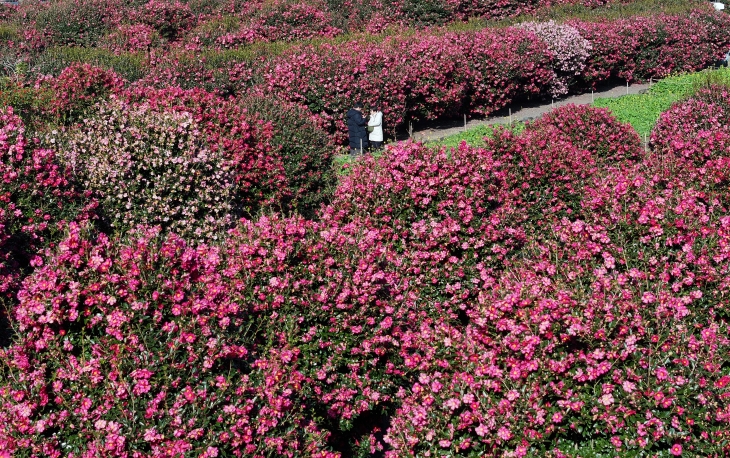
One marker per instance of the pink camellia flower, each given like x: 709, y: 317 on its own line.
x: 616, y: 441
x: 676, y: 450
x: 504, y: 433
x: 606, y: 399
x: 661, y: 373
x: 481, y: 430
x: 557, y: 417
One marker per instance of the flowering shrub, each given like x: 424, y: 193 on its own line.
x: 76, y: 89
x: 132, y: 38
x: 170, y: 19
x: 283, y: 20
x: 306, y: 153
x: 595, y: 130
x: 146, y: 354
x: 266, y: 170
x: 483, y: 70
x: 696, y: 130
x: 152, y: 167
x: 555, y: 293
x: 655, y: 46
x: 76, y: 22
x: 37, y: 200
x: 570, y: 51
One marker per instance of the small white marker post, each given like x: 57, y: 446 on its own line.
x: 552, y: 104
x: 464, y: 122
x: 410, y: 129
x: 627, y: 87
x: 510, y: 116
x: 592, y: 100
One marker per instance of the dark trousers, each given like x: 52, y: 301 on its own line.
x: 376, y: 146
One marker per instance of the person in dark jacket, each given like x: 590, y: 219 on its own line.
x: 357, y: 129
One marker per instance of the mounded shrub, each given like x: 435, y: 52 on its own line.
x: 138, y: 347
x: 169, y: 18
x: 152, y: 167
x: 306, y: 153
x: 77, y: 88
x: 76, y: 22
x: 569, y: 49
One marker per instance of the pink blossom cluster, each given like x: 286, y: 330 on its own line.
x: 282, y: 20
x: 83, y: 22
x: 153, y: 168
x: 37, y: 200
x: 132, y: 38
x: 570, y: 51
x: 654, y: 46
x: 76, y: 89
x: 697, y: 131
x: 557, y: 290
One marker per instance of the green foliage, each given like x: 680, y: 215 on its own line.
x: 28, y: 102
x: 130, y: 66
x: 425, y: 12
x: 9, y: 32
x: 79, y: 23
x: 305, y: 150
x: 564, y: 12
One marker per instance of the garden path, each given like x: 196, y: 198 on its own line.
x: 524, y: 112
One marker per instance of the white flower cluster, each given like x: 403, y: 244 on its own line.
x: 570, y: 50
x: 151, y: 167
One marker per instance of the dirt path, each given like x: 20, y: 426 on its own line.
x: 520, y: 113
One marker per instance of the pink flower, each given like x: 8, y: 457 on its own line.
x: 676, y: 450
x: 504, y: 433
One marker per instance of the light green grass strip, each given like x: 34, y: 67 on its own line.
x: 643, y: 110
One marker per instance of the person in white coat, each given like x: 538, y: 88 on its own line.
x: 375, y: 128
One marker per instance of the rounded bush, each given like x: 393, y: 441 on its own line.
x: 305, y: 149
x: 152, y: 167
x: 139, y: 348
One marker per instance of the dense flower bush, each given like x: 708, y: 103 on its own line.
x: 697, y: 130
x: 148, y: 353
x: 306, y: 153
x: 170, y: 19
x: 569, y: 48
x: 643, y: 47
x: 285, y: 20
x: 37, y: 200
x: 483, y: 70
x: 152, y: 167
x: 76, y: 89
x: 75, y: 22
x: 132, y: 38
